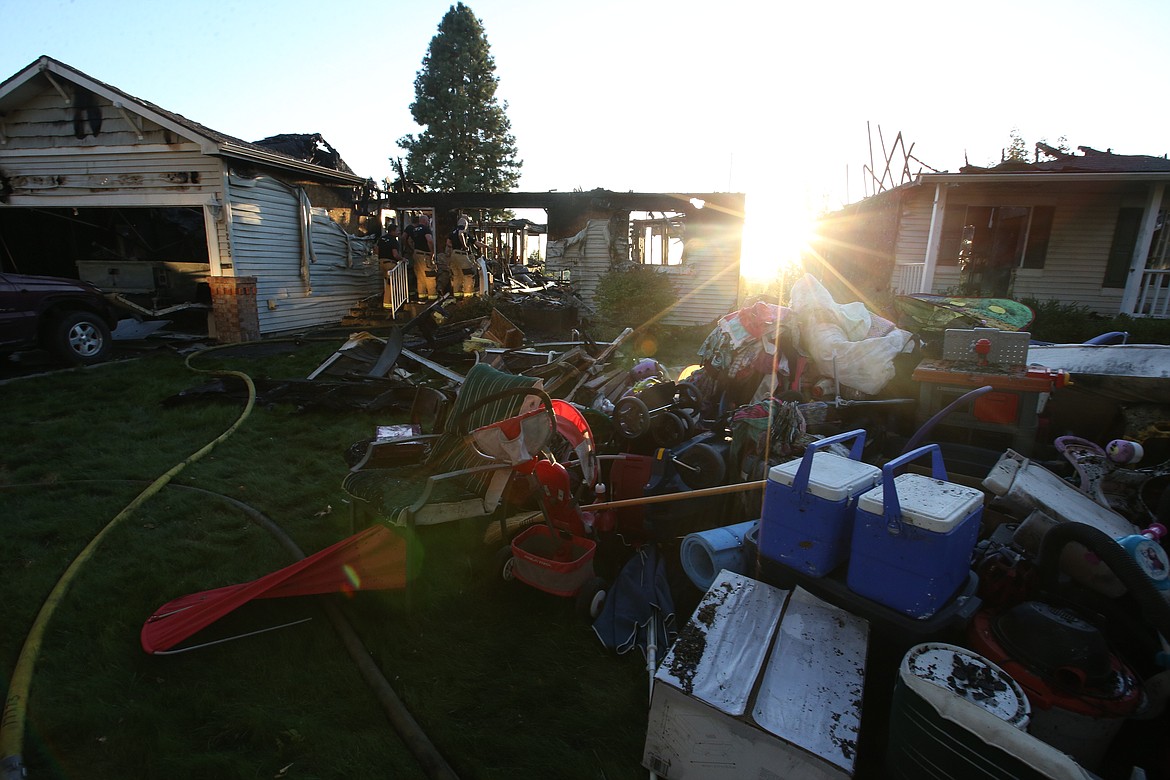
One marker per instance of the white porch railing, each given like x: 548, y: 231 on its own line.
x: 1154, y: 298
x: 397, y: 288
x: 907, y: 278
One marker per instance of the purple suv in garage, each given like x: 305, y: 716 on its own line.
x: 67, y: 317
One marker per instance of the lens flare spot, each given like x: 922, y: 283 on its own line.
x: 352, y: 576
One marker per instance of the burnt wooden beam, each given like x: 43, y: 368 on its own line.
x: 731, y: 205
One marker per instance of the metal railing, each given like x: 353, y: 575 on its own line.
x: 1154, y: 298
x: 907, y: 278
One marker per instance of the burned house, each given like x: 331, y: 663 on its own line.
x: 694, y: 238
x: 171, y: 216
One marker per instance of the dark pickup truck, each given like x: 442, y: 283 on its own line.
x: 67, y: 317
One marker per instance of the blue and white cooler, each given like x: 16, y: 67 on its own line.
x: 913, y: 537
x: 809, y: 503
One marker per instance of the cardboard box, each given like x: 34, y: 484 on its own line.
x: 762, y: 683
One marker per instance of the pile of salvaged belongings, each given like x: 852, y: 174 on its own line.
x: 1017, y: 570
x: 745, y: 347
x: 570, y: 370
x: 815, y: 348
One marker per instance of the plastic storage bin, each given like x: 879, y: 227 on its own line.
x: 807, y: 517
x: 913, y: 537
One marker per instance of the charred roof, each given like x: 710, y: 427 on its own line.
x: 1090, y: 160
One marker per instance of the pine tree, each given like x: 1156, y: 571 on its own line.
x: 1017, y: 151
x: 467, y: 144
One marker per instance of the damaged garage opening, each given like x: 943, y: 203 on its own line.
x: 149, y: 259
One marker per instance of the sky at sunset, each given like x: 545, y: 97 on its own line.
x: 779, y: 101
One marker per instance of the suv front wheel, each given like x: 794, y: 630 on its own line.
x: 80, y: 338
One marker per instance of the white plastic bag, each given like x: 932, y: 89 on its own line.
x: 863, y: 344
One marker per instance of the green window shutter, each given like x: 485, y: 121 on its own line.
x: 1125, y: 236
x: 1039, y: 232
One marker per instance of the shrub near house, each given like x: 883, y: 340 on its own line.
x: 633, y: 298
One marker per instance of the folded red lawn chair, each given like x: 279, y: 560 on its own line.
x: 375, y: 559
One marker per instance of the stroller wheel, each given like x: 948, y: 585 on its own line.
x: 631, y: 416
x: 669, y: 429
x: 504, y: 567
x: 591, y: 598
x: 706, y: 467
x: 357, y: 451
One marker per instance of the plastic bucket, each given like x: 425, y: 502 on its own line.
x: 705, y: 553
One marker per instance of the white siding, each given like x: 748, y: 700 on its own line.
x: 1084, y: 218
x: 122, y: 176
x: 266, y: 231
x: 1082, y: 233
x: 913, y: 230
x: 707, y: 283
x: 47, y: 165
x: 910, y: 246
x: 46, y: 122
x: 585, y: 256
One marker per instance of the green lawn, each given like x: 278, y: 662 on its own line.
x: 506, y: 683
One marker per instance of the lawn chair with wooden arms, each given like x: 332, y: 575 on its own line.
x: 499, y: 422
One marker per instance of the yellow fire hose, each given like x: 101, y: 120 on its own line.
x: 15, y: 706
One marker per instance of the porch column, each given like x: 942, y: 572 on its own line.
x: 212, y: 214
x: 934, y: 237
x: 1141, y: 250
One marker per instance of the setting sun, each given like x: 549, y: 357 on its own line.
x: 776, y: 232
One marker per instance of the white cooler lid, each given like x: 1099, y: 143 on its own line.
x: 930, y: 504
x: 831, y: 477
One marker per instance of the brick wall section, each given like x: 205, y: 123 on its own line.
x: 233, y: 308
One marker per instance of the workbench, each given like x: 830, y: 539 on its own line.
x: 1012, y: 407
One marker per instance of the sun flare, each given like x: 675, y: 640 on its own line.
x: 776, y: 233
